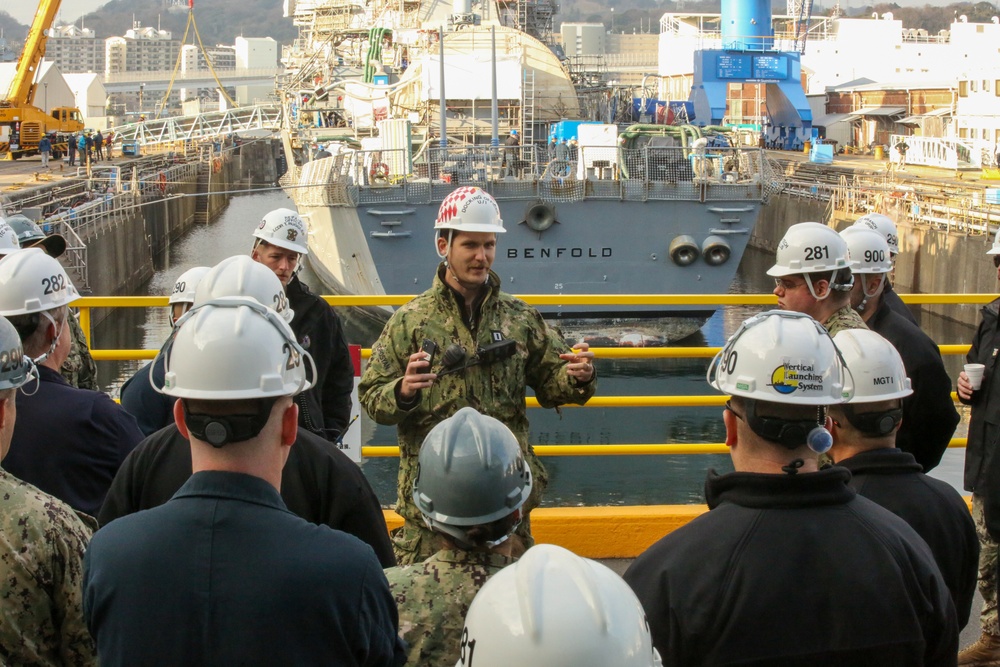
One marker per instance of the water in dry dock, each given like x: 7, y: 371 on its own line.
x: 607, y: 480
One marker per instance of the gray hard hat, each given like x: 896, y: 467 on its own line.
x: 470, y: 472
x: 15, y: 368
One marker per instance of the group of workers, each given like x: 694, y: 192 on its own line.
x: 233, y: 529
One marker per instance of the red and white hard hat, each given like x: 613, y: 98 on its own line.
x: 470, y: 209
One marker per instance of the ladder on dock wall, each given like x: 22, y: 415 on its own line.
x: 202, y: 209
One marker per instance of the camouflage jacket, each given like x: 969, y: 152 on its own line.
x: 433, y: 598
x: 79, y: 368
x: 844, y: 319
x: 41, y: 590
x: 497, y: 390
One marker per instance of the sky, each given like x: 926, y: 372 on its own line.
x: 73, y: 9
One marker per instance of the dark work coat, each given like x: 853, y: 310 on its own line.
x: 319, y: 483
x: 224, y: 574
x: 929, y: 414
x: 794, y: 570
x: 892, y: 478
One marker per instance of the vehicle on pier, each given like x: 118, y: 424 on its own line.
x: 22, y: 124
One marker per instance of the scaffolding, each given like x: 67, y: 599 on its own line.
x: 531, y: 16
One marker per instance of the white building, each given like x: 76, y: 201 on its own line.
x: 51, y: 89
x: 75, y: 49
x: 194, y: 60
x: 255, y: 53
x: 91, y: 97
x: 141, y: 50
x: 583, y: 39
x: 977, y: 110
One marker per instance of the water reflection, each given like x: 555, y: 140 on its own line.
x: 574, y: 480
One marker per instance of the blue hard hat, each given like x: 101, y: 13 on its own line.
x: 513, y: 133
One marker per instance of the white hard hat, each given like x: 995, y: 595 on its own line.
x: 32, y: 282
x: 875, y: 365
x: 186, y: 284
x: 470, y: 209
x: 884, y: 225
x: 995, y: 248
x: 8, y: 239
x: 554, y: 608
x: 284, y: 228
x: 471, y: 472
x: 234, y: 349
x: 16, y: 368
x: 240, y: 276
x: 809, y: 247
x: 868, y: 249
x: 781, y: 357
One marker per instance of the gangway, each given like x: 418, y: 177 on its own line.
x: 201, y: 126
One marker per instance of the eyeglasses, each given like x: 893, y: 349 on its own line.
x: 788, y: 285
x: 729, y: 406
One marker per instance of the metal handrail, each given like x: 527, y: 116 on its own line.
x: 85, y: 305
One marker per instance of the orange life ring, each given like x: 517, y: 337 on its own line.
x: 379, y: 172
x: 217, y: 165
x: 162, y: 182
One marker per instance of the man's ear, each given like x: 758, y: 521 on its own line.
x: 179, y: 419
x: 290, y: 425
x: 3, y: 411
x: 729, y: 419
x: 442, y: 244
x: 821, y: 287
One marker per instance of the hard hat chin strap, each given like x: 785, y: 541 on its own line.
x: 55, y: 341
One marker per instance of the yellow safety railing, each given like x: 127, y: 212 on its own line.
x: 86, y: 304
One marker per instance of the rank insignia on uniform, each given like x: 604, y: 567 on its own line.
x: 497, y: 336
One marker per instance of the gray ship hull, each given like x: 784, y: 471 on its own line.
x: 599, y: 246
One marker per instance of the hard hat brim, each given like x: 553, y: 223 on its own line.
x: 54, y: 245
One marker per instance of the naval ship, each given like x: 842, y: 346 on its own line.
x: 392, y: 104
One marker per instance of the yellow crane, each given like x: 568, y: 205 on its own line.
x: 22, y: 124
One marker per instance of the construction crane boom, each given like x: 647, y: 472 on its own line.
x: 22, y: 87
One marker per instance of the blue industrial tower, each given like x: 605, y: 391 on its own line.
x: 748, y: 56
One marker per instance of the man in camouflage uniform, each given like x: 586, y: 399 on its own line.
x: 472, y: 482
x: 463, y: 314
x: 41, y: 553
x: 812, y: 275
x: 79, y: 368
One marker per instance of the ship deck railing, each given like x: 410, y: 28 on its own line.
x: 595, y: 532
x: 556, y: 174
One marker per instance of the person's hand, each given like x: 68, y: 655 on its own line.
x: 416, y: 376
x: 964, y: 386
x: 581, y: 363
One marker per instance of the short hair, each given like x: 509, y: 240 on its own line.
x: 790, y: 411
x: 31, y: 328
x: 483, y: 534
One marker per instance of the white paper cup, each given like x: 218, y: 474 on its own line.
x: 975, y: 373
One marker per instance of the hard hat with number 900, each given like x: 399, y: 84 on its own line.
x: 234, y: 349
x: 884, y: 225
x: 471, y: 472
x: 284, y: 228
x: 32, y: 282
x: 185, y: 285
x: 781, y: 357
x: 469, y: 209
x: 241, y: 276
x: 809, y: 247
x: 554, y: 608
x: 868, y: 249
x: 875, y: 365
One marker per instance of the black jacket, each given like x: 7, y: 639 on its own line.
x: 794, y: 570
x: 892, y: 478
x: 984, y: 422
x: 224, y: 574
x: 890, y: 298
x: 151, y: 409
x: 318, y: 482
x: 929, y: 414
x: 325, y: 408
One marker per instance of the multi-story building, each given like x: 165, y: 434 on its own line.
x: 194, y: 60
x: 255, y: 53
x: 141, y: 50
x: 75, y: 49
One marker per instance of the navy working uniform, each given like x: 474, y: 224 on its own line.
x: 893, y: 479
x: 69, y: 442
x: 325, y: 408
x: 318, y: 483
x: 151, y: 409
x: 739, y: 584
x: 929, y: 414
x: 220, y: 546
